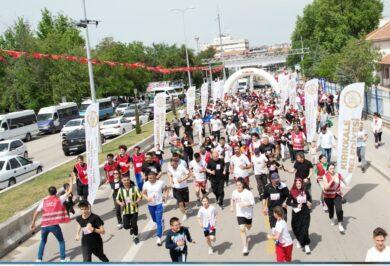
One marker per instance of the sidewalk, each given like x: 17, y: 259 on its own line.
x: 378, y: 159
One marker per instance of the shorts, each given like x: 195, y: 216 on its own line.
x: 82, y: 190
x: 243, y: 220
x: 207, y: 232
x: 181, y: 194
x: 201, y: 184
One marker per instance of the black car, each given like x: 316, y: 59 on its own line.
x: 74, y: 142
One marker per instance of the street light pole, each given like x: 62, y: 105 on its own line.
x: 221, y: 46
x: 182, y: 11
x: 87, y: 45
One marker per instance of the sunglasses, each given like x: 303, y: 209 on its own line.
x: 116, y: 173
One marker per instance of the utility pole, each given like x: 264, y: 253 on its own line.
x: 220, y: 44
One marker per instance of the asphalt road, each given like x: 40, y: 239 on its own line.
x: 365, y: 210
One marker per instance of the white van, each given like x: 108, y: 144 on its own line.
x: 51, y: 119
x: 19, y: 125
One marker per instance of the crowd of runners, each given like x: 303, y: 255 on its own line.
x: 248, y: 140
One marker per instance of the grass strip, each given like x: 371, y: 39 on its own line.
x: 27, y: 194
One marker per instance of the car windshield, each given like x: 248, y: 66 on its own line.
x: 73, y: 123
x: 3, y: 147
x: 129, y: 114
x: 123, y: 105
x: 111, y: 122
x: 84, y: 107
x: 1, y: 164
x: 44, y: 117
x: 75, y: 134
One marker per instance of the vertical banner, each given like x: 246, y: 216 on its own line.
x: 190, y: 99
x: 292, y: 92
x: 160, y: 106
x: 283, y: 81
x: 350, y: 112
x: 215, y: 90
x: 311, y: 108
x: 220, y: 89
x: 92, y: 137
x: 204, y: 97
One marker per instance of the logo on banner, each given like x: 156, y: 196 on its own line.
x: 93, y: 118
x: 312, y: 89
x: 160, y: 102
x: 352, y: 99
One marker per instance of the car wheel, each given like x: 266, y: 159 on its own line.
x: 28, y: 137
x: 107, y: 116
x: 25, y: 155
x: 39, y: 169
x: 11, y: 182
x: 53, y: 130
x: 66, y: 153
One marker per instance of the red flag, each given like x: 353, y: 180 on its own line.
x: 55, y: 57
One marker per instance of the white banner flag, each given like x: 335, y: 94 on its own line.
x: 221, y: 88
x: 92, y: 138
x: 190, y: 99
x: 350, y: 112
x: 215, y: 90
x: 283, y: 81
x: 160, y: 107
x: 311, y: 108
x: 292, y: 92
x: 204, y: 97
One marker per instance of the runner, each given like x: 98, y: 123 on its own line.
x: 243, y: 201
x: 320, y: 171
x: 53, y: 214
x: 176, y: 241
x: 188, y: 126
x: 128, y: 198
x: 283, y: 240
x: 275, y: 194
x: 216, y: 125
x: 207, y: 219
x: 188, y: 143
x: 300, y: 200
x: 155, y: 192
x: 123, y: 160
x: 137, y: 161
x: 80, y: 176
x: 302, y: 169
x: 261, y: 171
x: 380, y: 252
x: 198, y: 126
x: 333, y: 196
x: 216, y: 171
x: 298, y: 139
x: 91, y: 227
x: 150, y: 165
x: 225, y: 152
x: 178, y: 176
x: 159, y: 153
x: 239, y: 165
x: 198, y: 171
x: 362, y: 138
x: 326, y: 141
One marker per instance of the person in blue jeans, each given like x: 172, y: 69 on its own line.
x: 155, y: 192
x: 53, y: 214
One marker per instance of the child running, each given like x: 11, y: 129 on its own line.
x: 207, y: 218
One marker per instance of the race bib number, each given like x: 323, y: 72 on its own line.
x: 158, y: 152
x: 128, y: 200
x: 275, y: 196
x: 116, y: 185
x: 218, y: 167
x: 301, y: 199
x: 122, y: 164
x: 138, y: 165
x: 188, y: 123
x: 86, y: 231
x: 84, y: 172
x: 186, y: 143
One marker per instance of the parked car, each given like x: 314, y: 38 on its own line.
x: 15, y: 169
x: 13, y: 147
x: 51, y: 119
x: 129, y: 116
x: 19, y: 125
x: 74, y: 142
x: 121, y: 108
x: 72, y: 125
x: 115, y: 127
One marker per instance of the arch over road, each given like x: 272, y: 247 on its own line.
x: 245, y: 72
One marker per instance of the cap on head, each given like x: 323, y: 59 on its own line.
x: 275, y: 176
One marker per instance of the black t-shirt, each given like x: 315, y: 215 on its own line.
x: 91, y: 239
x: 159, y: 154
x: 275, y: 195
x: 273, y: 167
x: 148, y: 166
x: 217, y: 166
x: 187, y: 123
x: 303, y: 169
x: 267, y: 148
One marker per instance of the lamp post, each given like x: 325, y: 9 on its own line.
x: 182, y: 11
x: 137, y: 124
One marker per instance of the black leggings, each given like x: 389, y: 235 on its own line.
x: 261, y: 181
x: 333, y: 204
x: 378, y: 137
x: 130, y: 222
x: 178, y: 256
x: 97, y: 251
x: 218, y: 190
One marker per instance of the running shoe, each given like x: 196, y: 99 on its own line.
x: 324, y: 207
x: 211, y: 251
x: 184, y: 218
x: 332, y: 222
x: 307, y: 249
x: 299, y: 245
x: 158, y: 242
x: 245, y: 251
x: 119, y: 226
x: 136, y: 240
x: 341, y: 229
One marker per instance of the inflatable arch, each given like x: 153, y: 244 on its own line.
x: 245, y: 72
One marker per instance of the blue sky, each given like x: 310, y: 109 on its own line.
x: 260, y: 21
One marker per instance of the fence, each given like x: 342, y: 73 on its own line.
x: 376, y: 99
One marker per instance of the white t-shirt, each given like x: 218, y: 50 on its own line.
x: 154, y: 191
x: 245, y: 197
x: 374, y: 255
x: 198, y: 123
x: 207, y: 216
x: 216, y: 124
x: 196, y: 167
x: 228, y: 152
x: 62, y: 199
x: 260, y: 164
x: 284, y: 238
x: 230, y: 128
x: 177, y: 174
x: 237, y: 162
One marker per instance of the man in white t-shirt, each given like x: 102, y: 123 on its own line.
x: 259, y: 161
x: 198, y: 171
x: 240, y: 165
x: 154, y: 191
x: 178, y: 176
x: 216, y: 125
x: 225, y: 152
x: 198, y: 126
x: 380, y: 252
x: 231, y: 129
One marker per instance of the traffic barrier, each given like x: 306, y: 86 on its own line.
x: 16, y: 230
